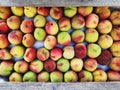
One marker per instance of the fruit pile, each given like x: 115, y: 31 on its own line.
x: 59, y: 44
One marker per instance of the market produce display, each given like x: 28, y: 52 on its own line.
x: 59, y: 44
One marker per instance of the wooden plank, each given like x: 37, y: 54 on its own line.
x: 61, y: 86
x: 60, y: 2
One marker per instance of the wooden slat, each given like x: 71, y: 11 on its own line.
x: 61, y: 86
x: 60, y: 2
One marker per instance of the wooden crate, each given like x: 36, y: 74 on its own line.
x: 61, y: 86
x: 60, y: 2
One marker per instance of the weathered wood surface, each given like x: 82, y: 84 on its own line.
x: 60, y: 2
x: 61, y: 86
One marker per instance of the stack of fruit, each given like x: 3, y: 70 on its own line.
x: 59, y: 44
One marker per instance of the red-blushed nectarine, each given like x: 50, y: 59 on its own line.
x: 13, y: 22
x: 85, y: 10
x: 49, y: 65
x: 6, y: 68
x: 92, y: 20
x: 15, y: 77
x: 70, y: 76
x: 4, y: 27
x: 104, y: 58
x: 85, y: 76
x: 115, y: 64
x: 90, y: 64
x: 21, y: 66
x: 5, y: 54
x: 63, y: 65
x: 36, y: 66
x: 56, y: 12
x: 6, y: 12
x: 115, y: 17
x: 103, y: 12
x: 42, y: 54
x: 26, y: 26
x: 51, y: 27
x: 78, y: 36
x: 3, y: 41
x: 50, y: 42
x: 15, y: 37
x: 30, y: 54
x: 29, y: 77
x: 56, y: 76
x: 43, y: 76
x: 100, y: 75
x: 64, y: 24
x: 113, y: 75
x: 115, y: 33
x: 80, y: 50
x: 55, y: 54
x: 43, y: 11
